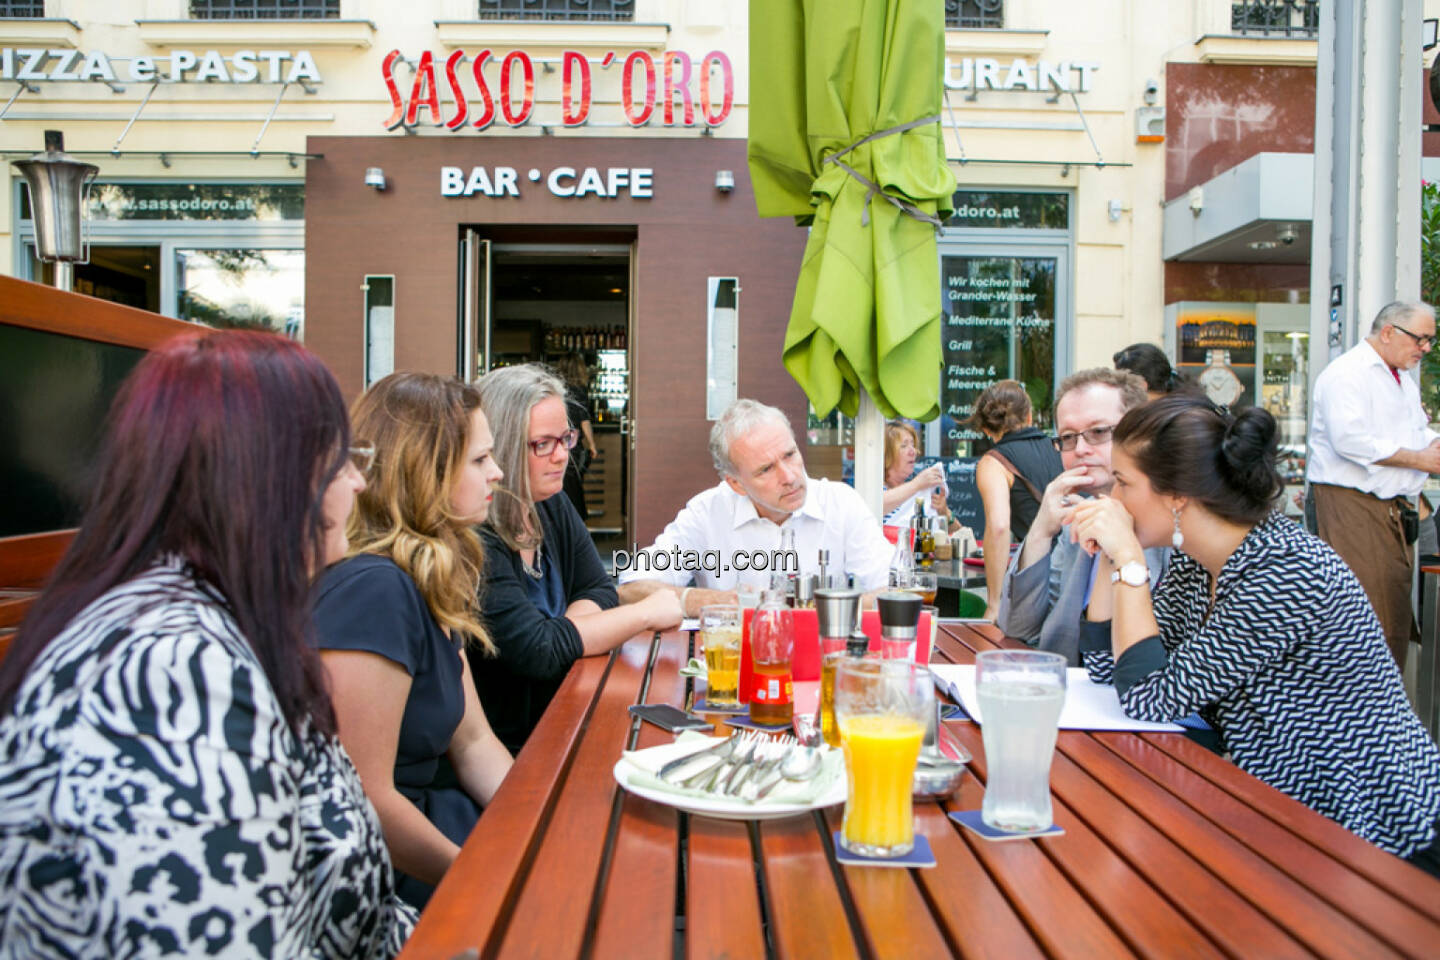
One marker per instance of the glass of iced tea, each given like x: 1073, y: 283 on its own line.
x: 924, y: 584
x: 720, y: 638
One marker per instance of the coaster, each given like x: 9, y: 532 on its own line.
x: 953, y: 711
x: 745, y: 723
x: 705, y: 706
x: 919, y: 856
x: 971, y: 819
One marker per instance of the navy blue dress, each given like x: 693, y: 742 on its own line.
x: 368, y: 603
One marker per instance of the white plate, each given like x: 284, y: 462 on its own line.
x: 719, y: 808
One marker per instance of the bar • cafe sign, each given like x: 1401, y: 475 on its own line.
x: 181, y: 66
x: 672, y: 90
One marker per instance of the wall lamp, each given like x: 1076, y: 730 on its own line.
x: 375, y: 177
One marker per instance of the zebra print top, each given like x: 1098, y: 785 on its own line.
x: 1290, y: 667
x: 154, y: 801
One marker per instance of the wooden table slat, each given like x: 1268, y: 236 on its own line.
x: 894, y: 915
x: 722, y: 901
x: 807, y: 916
x: 1308, y: 918
x: 1399, y: 879
x: 636, y: 916
x: 551, y: 913
x: 462, y: 913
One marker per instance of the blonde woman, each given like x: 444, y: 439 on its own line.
x: 902, y: 447
x: 393, y: 619
x: 548, y: 599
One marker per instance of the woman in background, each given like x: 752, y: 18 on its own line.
x: 576, y: 375
x: 169, y: 772
x: 1150, y: 363
x: 1010, y: 476
x: 393, y: 619
x: 1256, y: 625
x: 548, y: 600
x: 902, y: 491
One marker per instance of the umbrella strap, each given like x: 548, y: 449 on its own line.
x: 872, y: 188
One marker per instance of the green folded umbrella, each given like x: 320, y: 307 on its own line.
x: 845, y: 136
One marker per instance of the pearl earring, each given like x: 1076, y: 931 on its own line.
x: 1178, y: 539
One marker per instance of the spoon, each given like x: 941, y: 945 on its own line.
x: 798, y: 766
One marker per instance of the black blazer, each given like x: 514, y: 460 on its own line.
x: 535, y: 651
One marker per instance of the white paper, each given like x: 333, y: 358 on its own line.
x: 1088, y: 705
x: 690, y: 623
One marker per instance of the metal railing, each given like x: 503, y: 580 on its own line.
x: 264, y: 9
x: 570, y: 10
x: 974, y: 14
x: 22, y: 8
x: 1276, y: 18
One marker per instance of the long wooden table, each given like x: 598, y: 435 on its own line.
x: 1169, y: 851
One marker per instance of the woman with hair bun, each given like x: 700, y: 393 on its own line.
x: 1150, y: 363
x: 1257, y: 625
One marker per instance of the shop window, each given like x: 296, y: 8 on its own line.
x: 22, y: 8
x: 557, y: 10
x: 264, y: 9
x: 974, y: 14
x: 251, y: 289
x: 1276, y: 18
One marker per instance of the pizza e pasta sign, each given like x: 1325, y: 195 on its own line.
x: 473, y: 90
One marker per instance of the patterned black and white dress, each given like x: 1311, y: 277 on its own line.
x: 1290, y: 667
x: 153, y: 801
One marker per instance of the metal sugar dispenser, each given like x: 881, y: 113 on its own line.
x: 837, y: 611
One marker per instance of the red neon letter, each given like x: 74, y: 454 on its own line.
x: 728, y: 76
x: 387, y: 71
x: 462, y: 108
x: 673, y: 57
x: 527, y: 68
x: 487, y: 112
x: 627, y: 92
x: 424, y: 94
x: 569, y: 114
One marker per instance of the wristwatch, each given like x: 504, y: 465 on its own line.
x: 1132, y: 574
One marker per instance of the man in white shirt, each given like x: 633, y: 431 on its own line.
x: 731, y: 534
x: 1371, y: 448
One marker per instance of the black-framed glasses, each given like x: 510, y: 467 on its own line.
x: 1095, y: 436
x: 362, y: 455
x: 543, y: 446
x: 1424, y: 343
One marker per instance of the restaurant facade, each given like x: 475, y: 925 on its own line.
x: 453, y: 185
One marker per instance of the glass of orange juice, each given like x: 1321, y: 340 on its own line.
x: 881, y: 707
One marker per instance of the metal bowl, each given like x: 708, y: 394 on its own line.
x: 937, y: 778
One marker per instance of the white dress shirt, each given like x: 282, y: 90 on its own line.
x: 1362, y: 415
x: 833, y: 518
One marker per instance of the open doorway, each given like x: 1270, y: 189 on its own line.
x: 567, y: 305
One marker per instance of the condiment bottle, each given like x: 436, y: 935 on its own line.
x: 943, y: 549
x: 899, y: 619
x: 772, y: 642
x: 836, y: 610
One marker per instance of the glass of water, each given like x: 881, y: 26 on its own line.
x: 1021, y: 693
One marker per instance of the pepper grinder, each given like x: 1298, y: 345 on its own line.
x: 899, y: 620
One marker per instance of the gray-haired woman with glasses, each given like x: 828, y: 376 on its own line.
x: 548, y: 600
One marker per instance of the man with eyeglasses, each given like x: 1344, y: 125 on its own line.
x: 1051, y: 581
x: 739, y: 524
x: 1371, y: 451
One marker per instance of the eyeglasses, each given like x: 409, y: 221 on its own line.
x: 1424, y: 343
x: 1095, y: 436
x: 543, y: 446
x: 362, y: 455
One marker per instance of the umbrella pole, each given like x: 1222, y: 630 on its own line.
x: 869, y: 452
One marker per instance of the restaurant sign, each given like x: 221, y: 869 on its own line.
x: 181, y: 66
x: 671, y: 90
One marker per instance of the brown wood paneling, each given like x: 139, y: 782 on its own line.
x: 687, y: 232
x: 1245, y: 282
x: 38, y: 307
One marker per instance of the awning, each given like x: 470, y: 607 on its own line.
x: 1258, y: 211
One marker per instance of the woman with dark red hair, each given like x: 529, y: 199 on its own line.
x: 169, y: 772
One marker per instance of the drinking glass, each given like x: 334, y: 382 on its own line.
x: 934, y: 614
x: 925, y: 584
x: 720, y: 638
x: 1021, y: 693
x: 881, y: 707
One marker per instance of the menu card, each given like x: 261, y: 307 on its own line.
x: 1088, y: 705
